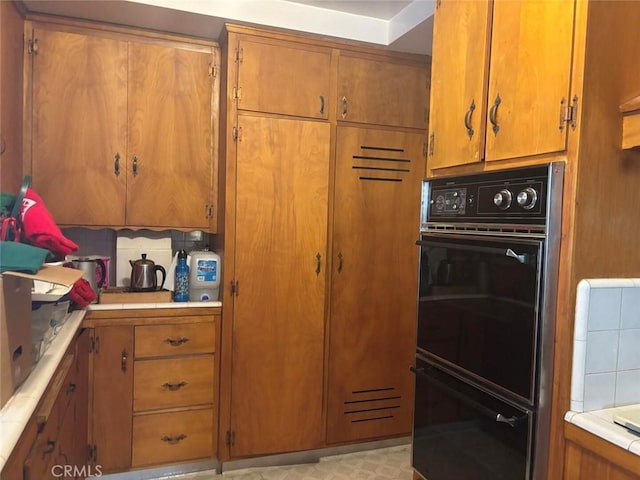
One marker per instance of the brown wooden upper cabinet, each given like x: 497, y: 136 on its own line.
x: 378, y: 91
x: 11, y: 58
x: 122, y: 130
x: 282, y: 77
x: 500, y: 80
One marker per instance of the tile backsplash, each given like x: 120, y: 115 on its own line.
x: 124, y: 245
x: 606, y: 348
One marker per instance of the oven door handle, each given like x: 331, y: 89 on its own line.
x: 522, y: 258
x: 498, y: 417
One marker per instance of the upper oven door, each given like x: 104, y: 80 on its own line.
x: 479, y: 307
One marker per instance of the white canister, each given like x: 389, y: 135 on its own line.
x: 204, y: 276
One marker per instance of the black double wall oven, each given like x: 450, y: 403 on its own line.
x: 486, y: 319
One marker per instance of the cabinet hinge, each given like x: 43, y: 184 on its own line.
x: 237, y: 134
x: 424, y: 149
x: 438, y: 3
x: 32, y: 46
x: 432, y: 143
x: 208, y: 209
x: 569, y: 113
x: 234, y: 288
x: 236, y: 94
x: 239, y: 55
x: 231, y: 438
x: 213, y: 71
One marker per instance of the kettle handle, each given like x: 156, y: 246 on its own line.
x: 103, y: 272
x: 164, y: 274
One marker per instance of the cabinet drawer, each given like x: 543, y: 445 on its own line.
x: 172, y: 437
x: 172, y: 382
x: 164, y: 340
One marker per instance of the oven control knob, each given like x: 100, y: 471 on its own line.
x: 527, y: 198
x: 502, y: 199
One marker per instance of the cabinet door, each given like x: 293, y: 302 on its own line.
x: 529, y: 77
x: 77, y: 451
x: 382, y: 92
x: 169, y: 175
x: 11, y: 53
x: 293, y: 79
x: 457, y: 116
x: 79, y: 120
x: 112, y: 384
x: 278, y: 325
x: 373, y: 283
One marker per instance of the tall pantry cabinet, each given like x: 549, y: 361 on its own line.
x: 276, y: 217
x: 325, y: 148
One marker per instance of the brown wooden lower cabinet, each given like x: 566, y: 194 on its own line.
x: 153, y: 383
x: 54, y: 442
x: 588, y: 456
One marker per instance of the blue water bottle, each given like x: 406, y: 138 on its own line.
x: 181, y: 289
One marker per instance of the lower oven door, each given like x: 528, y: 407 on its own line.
x: 462, y: 432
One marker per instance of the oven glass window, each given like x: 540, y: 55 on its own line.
x: 478, y: 307
x: 457, y: 435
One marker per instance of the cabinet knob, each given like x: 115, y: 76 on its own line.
x: 123, y: 360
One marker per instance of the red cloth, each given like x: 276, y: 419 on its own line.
x: 82, y: 293
x: 39, y: 227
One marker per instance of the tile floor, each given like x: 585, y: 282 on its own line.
x: 393, y: 463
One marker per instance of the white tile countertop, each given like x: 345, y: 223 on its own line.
x: 18, y: 410
x: 135, y: 306
x: 605, y: 376
x: 601, y: 424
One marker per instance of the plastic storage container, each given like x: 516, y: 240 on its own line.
x: 204, y: 276
x: 46, y: 321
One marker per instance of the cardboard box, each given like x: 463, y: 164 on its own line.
x: 15, y: 322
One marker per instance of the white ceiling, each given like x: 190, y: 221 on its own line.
x: 401, y: 25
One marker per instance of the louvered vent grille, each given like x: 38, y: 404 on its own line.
x: 381, y: 163
x: 372, y: 405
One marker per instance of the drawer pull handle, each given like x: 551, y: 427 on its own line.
x: 174, y: 386
x: 176, y: 343
x: 173, y: 440
x: 71, y: 388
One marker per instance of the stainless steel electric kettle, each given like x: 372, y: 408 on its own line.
x: 144, y: 276
x: 90, y: 268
